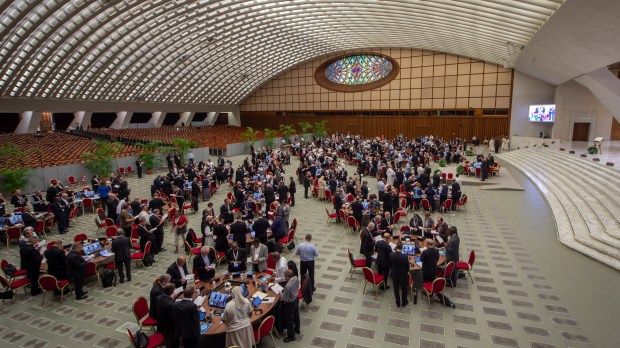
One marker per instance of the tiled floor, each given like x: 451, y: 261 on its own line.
x: 529, y: 290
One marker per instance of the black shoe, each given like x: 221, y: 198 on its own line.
x: 289, y: 339
x: 128, y: 279
x: 82, y: 297
x: 121, y: 281
x: 405, y: 304
x: 162, y: 249
x: 298, y: 332
x: 398, y: 305
x: 84, y: 292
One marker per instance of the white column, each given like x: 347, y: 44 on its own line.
x: 186, y: 118
x: 234, y: 117
x: 211, y: 118
x: 157, y: 118
x: 122, y: 120
x: 82, y: 118
x: 29, y: 123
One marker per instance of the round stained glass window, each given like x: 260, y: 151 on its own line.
x: 356, y: 72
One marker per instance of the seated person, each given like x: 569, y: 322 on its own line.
x: 203, y: 264
x: 178, y: 271
x: 429, y: 223
x: 236, y: 259
x: 278, y: 227
x: 386, y: 223
x: 416, y: 224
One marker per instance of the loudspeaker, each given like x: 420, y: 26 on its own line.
x: 541, y: 135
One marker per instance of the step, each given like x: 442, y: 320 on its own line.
x: 572, y: 232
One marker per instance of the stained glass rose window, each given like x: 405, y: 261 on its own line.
x: 356, y: 72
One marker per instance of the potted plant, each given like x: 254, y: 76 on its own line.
x: 287, y: 131
x: 270, y: 137
x: 150, y: 153
x: 13, y: 174
x: 459, y: 170
x: 100, y: 161
x: 442, y: 162
x: 469, y: 151
x: 250, y: 135
x: 305, y: 127
x: 182, y: 147
x: 592, y: 150
x: 320, y: 129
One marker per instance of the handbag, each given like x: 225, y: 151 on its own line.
x: 141, y: 340
x: 290, y: 246
x: 182, y: 230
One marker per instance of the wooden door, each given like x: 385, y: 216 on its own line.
x: 615, y: 130
x: 581, y: 131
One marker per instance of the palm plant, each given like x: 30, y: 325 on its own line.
x: 182, y: 147
x: 100, y: 161
x: 287, y: 131
x: 270, y: 135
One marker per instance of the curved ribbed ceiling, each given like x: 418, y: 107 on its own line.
x: 217, y: 52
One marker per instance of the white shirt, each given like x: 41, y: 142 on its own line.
x: 182, y: 271
x: 281, y: 267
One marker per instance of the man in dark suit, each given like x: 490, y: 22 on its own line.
x: 429, y: 259
x: 111, y: 204
x: 367, y: 243
x: 203, y: 264
x: 139, y: 168
x: 452, y: 252
x: 121, y: 247
x: 260, y: 227
x: 270, y: 196
x: 282, y: 192
x: 28, y: 218
x: 56, y: 261
x: 226, y: 211
x: 236, y: 258
x: 186, y: 318
x: 238, y: 229
x: 145, y: 235
x: 386, y: 198
x: 383, y: 256
x: 156, y: 221
x: 358, y: 210
x: 278, y: 227
x: 156, y: 290
x: 292, y: 189
x: 400, y: 275
x: 178, y: 271
x: 484, y: 169
x: 165, y: 323
x: 60, y: 211
x: 338, y: 203
x: 76, y: 266
x: 31, y: 262
x: 306, y: 182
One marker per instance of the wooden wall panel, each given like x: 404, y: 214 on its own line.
x: 389, y: 126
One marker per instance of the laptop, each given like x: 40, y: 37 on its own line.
x: 89, y: 194
x: 78, y: 195
x: 92, y: 248
x: 218, y: 299
x: 409, y: 250
x: 256, y: 302
x: 16, y: 218
x: 244, y: 290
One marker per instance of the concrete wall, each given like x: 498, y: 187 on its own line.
x: 575, y: 102
x: 528, y: 91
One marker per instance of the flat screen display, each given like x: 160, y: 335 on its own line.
x: 542, y: 113
x: 218, y: 300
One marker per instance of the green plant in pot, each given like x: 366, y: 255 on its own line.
x: 270, y: 137
x: 592, y: 150
x: 13, y: 174
x: 305, y: 127
x: 442, y: 162
x: 101, y: 161
x: 182, y: 147
x: 469, y: 151
x: 459, y: 170
x: 150, y: 154
x: 287, y: 131
x: 320, y: 129
x: 250, y: 135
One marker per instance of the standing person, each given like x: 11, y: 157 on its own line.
x: 429, y: 259
x: 146, y: 236
x: 156, y: 221
x: 383, y: 257
x: 260, y: 227
x: 56, y: 262
x: 76, y: 266
x: 156, y: 290
x: 31, y: 262
x: 236, y: 316
x: 179, y: 228
x: 165, y: 324
x: 258, y: 253
x: 307, y: 252
x: 239, y: 230
x: 452, y: 252
x: 59, y: 210
x: 306, y: 185
x: 121, y: 247
x: 290, y: 299
x: 367, y: 243
x: 139, y: 168
x: 126, y: 220
x: 400, y: 275
x: 236, y: 258
x: 484, y: 169
x: 186, y: 318
x: 283, y: 192
x: 292, y: 188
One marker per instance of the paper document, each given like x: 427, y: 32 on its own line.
x: 277, y: 288
x: 199, y: 300
x: 178, y: 290
x: 189, y: 277
x: 439, y: 239
x: 419, y: 264
x: 434, y: 232
x: 164, y: 217
x: 260, y: 294
x: 269, y: 300
x: 392, y: 245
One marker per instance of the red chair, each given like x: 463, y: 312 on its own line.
x: 264, y: 329
x: 11, y: 234
x: 447, y: 272
x: 328, y: 196
x: 139, y: 256
x: 121, y: 171
x: 443, y: 175
x: 110, y: 231
x: 447, y: 205
x: 219, y: 256
x: 271, y: 264
x: 462, y: 202
x: 88, y: 203
x: 495, y: 169
x: 73, y: 214
x: 478, y: 172
x: 350, y: 198
x: 467, y: 266
x: 355, y: 264
x: 156, y: 340
x: 40, y: 229
x: 50, y: 283
x: 189, y: 206
x: 426, y: 205
x: 130, y: 170
x: 343, y: 216
x: 191, y: 251
x: 80, y: 237
x: 71, y: 180
x: 109, y: 222
x: 405, y: 229
x: 373, y: 278
x: 83, y: 180
x: 330, y: 216
x: 140, y: 310
x: 91, y: 270
x: 353, y: 223
x: 18, y: 273
x: 194, y: 238
x: 285, y: 240
x: 466, y: 170
x: 450, y: 176
x: 435, y: 287
x: 14, y: 285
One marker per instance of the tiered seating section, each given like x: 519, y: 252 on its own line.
x: 53, y: 149
x: 584, y: 198
x: 217, y: 136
